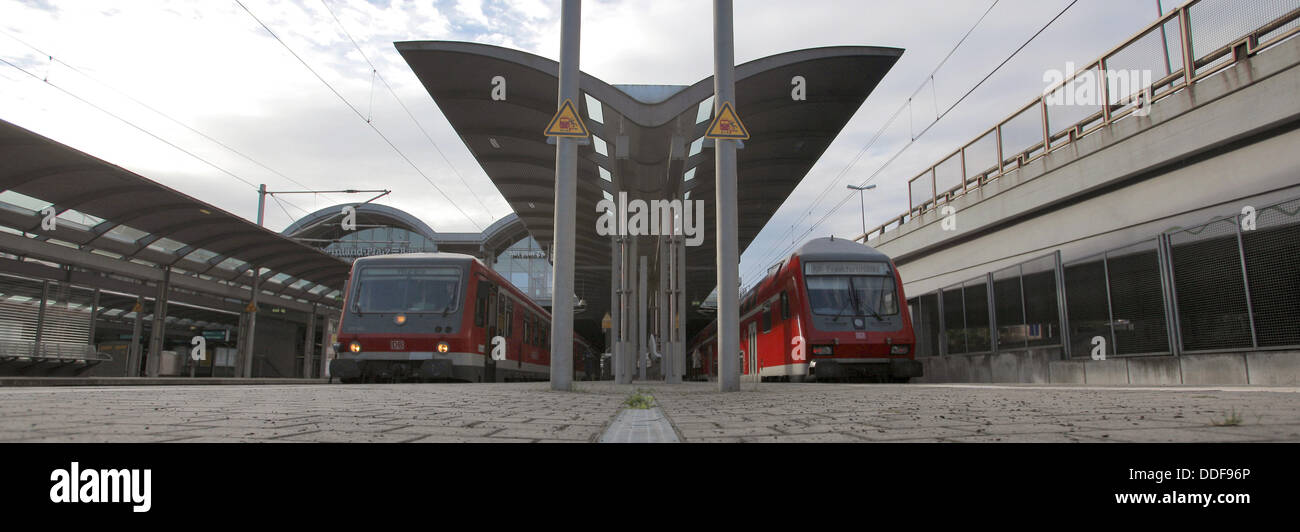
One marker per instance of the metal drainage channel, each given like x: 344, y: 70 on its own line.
x: 633, y: 425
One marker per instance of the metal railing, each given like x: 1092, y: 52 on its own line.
x: 1188, y: 35
x: 51, y: 352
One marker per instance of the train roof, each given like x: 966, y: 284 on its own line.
x: 838, y: 249
x: 419, y: 256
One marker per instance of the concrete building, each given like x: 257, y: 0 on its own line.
x: 1122, y: 243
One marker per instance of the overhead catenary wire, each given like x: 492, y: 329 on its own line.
x: 945, y: 113
x: 137, y: 101
x: 357, y: 112
x: 880, y: 132
x: 133, y: 125
x: 376, y: 75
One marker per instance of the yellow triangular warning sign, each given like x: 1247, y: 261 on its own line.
x: 727, y: 125
x: 567, y: 123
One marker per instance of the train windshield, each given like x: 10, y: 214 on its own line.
x: 407, y: 289
x: 851, y: 289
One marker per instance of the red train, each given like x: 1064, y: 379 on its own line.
x: 834, y: 310
x: 444, y: 317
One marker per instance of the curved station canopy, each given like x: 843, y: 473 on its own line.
x: 647, y: 141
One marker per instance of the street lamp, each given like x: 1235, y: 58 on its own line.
x: 863, y: 201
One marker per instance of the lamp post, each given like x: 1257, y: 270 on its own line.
x: 863, y: 201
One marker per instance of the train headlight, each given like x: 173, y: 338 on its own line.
x: 442, y: 347
x: 399, y: 319
x: 355, y: 346
x: 899, y: 349
x: 821, y: 350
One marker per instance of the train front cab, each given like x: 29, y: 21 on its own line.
x: 857, y: 326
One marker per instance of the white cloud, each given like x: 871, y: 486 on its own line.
x: 213, y: 67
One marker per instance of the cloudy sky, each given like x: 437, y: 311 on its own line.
x: 174, y: 67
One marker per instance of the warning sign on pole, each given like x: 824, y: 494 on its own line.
x: 567, y: 123
x: 727, y: 125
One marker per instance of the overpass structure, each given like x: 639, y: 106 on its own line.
x: 1152, y: 239
x: 647, y: 145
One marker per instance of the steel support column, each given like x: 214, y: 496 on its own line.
x: 137, y: 328
x: 158, y: 333
x: 309, y: 346
x: 661, y: 311
x: 247, y: 340
x: 94, y: 313
x: 679, y: 277
x: 643, y: 301
x: 566, y: 205
x: 40, y: 317
x: 724, y: 88
x: 614, y: 347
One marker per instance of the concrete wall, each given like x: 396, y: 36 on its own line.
x: 1270, y: 368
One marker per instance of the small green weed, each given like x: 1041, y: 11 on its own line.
x: 1230, y: 419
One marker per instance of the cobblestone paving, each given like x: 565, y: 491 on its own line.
x: 939, y: 413
x: 321, y: 413
x: 759, y: 413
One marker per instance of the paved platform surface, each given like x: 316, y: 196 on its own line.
x: 530, y: 412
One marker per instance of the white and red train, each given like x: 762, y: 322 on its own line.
x: 441, y: 316
x: 833, y: 310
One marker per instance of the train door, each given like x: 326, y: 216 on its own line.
x: 490, y: 365
x: 753, y: 348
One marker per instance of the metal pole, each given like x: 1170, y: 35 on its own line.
x: 724, y: 88
x: 683, y: 309
x: 309, y: 347
x: 94, y: 313
x: 662, y: 303
x: 40, y: 317
x: 1245, y: 280
x: 133, y: 354
x: 642, y: 331
x: 261, y: 203
x: 615, y: 307
x: 566, y: 205
x: 862, y: 201
x: 246, y: 367
x: 158, y: 334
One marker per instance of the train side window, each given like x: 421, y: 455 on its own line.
x: 785, y: 306
x: 510, y: 316
x: 480, y: 303
x: 767, y: 320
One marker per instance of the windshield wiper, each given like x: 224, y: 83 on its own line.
x: 356, y: 305
x: 853, y: 292
x: 846, y: 305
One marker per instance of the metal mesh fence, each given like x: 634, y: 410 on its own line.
x: 1230, y: 284
x: 1009, y: 309
x: 1136, y: 299
x: 1087, y: 307
x: 1211, y: 292
x: 1271, y: 249
x: 1043, y: 319
x: 954, y: 319
x: 979, y: 337
x: 925, y: 323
